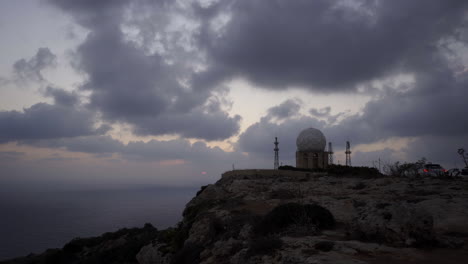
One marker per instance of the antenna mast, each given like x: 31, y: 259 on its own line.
x: 461, y: 151
x: 348, y: 154
x: 276, y: 154
x: 330, y: 153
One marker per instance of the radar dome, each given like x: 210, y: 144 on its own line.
x: 311, y: 140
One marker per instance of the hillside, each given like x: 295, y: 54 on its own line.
x: 266, y: 216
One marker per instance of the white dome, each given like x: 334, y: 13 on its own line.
x: 311, y: 140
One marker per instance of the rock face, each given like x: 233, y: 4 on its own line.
x: 265, y: 216
x: 394, y: 224
x: 152, y: 254
x: 380, y: 218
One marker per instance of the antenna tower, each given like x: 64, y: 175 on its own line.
x: 348, y: 154
x: 276, y: 154
x: 330, y: 153
x: 461, y: 151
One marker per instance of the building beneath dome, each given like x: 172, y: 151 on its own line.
x: 311, y: 152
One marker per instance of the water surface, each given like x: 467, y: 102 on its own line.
x: 33, y: 221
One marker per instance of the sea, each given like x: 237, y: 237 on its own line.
x: 33, y: 221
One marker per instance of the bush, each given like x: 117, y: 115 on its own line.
x: 340, y: 170
x: 291, y: 168
x: 365, y: 172
x: 264, y: 246
x: 405, y: 169
x: 290, y: 214
x: 134, y: 239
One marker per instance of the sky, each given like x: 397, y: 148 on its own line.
x: 175, y: 92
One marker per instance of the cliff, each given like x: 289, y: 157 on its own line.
x: 265, y: 216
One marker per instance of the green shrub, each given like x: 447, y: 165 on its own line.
x: 290, y: 214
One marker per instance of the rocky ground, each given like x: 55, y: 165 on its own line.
x: 298, y: 217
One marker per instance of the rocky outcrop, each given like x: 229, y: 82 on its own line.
x: 396, y: 224
x: 153, y: 254
x: 265, y: 216
x: 375, y: 217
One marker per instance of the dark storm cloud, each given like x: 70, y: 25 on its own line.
x: 327, y: 45
x: 258, y: 139
x: 325, y: 113
x: 62, y: 97
x: 287, y: 109
x: 30, y: 69
x: 432, y: 107
x: 45, y: 121
x: 129, y: 84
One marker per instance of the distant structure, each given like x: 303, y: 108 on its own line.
x: 461, y: 151
x: 348, y: 154
x: 276, y: 154
x: 330, y: 153
x: 311, y: 152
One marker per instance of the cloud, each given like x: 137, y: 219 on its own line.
x: 324, y: 45
x: 93, y: 144
x: 431, y: 107
x: 257, y: 140
x: 287, y: 109
x: 162, y: 80
x: 30, y: 69
x: 10, y: 155
x: 155, y: 92
x: 439, y: 149
x: 62, y: 97
x: 153, y: 150
x: 323, y: 112
x: 45, y: 121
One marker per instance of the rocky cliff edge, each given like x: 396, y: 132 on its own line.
x: 267, y: 216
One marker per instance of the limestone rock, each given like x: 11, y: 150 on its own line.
x: 151, y: 254
x: 394, y: 224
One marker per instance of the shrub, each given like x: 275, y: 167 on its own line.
x: 264, y: 246
x: 291, y: 168
x: 134, y: 239
x: 289, y: 214
x: 365, y: 172
x: 405, y: 169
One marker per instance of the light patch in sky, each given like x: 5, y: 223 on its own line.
x: 252, y: 103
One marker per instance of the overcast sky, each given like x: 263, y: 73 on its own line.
x: 169, y: 92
